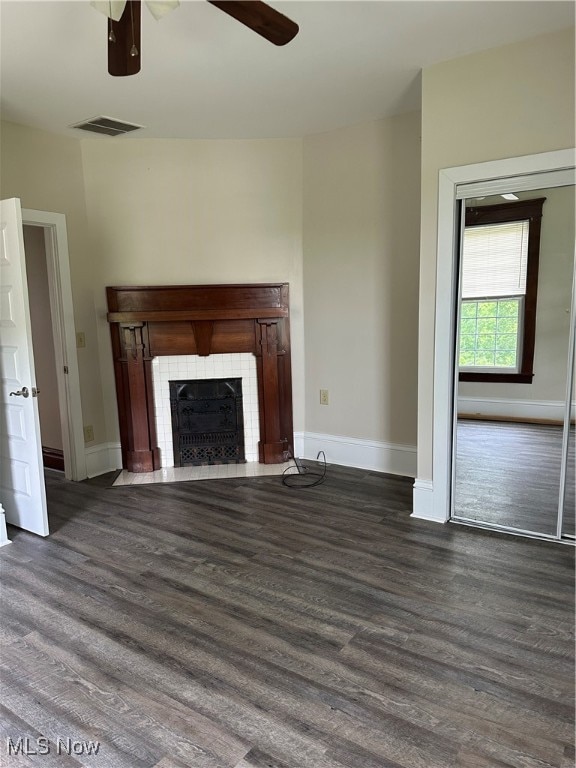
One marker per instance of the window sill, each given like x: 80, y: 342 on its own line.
x: 502, y: 378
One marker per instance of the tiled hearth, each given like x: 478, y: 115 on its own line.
x: 215, y: 472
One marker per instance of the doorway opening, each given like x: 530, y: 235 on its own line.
x: 54, y: 342
x: 44, y: 347
x: 514, y: 362
x: 544, y: 171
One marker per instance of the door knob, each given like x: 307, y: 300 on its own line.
x: 21, y: 392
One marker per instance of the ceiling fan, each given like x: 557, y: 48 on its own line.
x: 124, y: 17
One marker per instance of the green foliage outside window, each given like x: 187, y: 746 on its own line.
x: 489, y: 333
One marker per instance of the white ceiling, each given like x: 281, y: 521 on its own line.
x: 204, y: 75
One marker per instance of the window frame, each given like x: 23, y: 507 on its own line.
x: 521, y: 210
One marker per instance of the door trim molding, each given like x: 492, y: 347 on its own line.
x: 3, y: 531
x: 64, y: 330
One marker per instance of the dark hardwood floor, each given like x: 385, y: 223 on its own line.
x: 509, y: 474
x: 242, y: 624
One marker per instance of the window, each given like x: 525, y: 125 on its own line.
x: 489, y: 334
x: 499, y: 289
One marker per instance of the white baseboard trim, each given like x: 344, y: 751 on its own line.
x: 517, y: 409
x: 352, y: 452
x: 423, y: 501
x: 347, y: 451
x: 102, y: 458
x: 3, y: 532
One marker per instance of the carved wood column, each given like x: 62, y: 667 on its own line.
x: 273, y: 446
x: 141, y: 454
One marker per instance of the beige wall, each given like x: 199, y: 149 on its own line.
x: 556, y: 267
x: 42, y: 337
x: 361, y: 251
x: 506, y: 102
x: 45, y: 172
x: 193, y: 212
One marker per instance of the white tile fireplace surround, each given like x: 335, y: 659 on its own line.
x: 191, y: 367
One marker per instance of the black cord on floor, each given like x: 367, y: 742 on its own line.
x: 305, y: 477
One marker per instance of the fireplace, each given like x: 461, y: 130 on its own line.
x: 201, y: 320
x: 207, y: 422
x: 167, y: 368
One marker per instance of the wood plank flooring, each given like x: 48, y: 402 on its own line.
x: 241, y: 624
x: 509, y: 474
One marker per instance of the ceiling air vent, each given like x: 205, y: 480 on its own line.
x: 106, y: 125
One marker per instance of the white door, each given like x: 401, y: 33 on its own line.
x: 22, y: 489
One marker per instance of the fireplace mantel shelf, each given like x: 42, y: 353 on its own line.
x: 190, y: 314
x: 147, y: 321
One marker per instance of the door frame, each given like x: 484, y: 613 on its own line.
x: 64, y: 330
x: 455, y: 184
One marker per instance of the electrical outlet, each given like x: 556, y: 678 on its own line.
x: 80, y: 339
x: 323, y: 397
x: 89, y: 433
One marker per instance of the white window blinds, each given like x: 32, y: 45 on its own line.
x: 495, y: 258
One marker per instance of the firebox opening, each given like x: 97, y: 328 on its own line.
x: 207, y: 421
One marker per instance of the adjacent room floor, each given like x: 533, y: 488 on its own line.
x: 509, y: 474
x: 238, y: 623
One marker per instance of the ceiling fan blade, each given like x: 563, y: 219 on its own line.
x: 124, y: 47
x: 261, y: 18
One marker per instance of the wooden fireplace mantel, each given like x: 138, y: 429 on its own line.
x: 146, y: 321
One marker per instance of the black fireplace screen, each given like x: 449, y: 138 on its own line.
x: 207, y: 421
